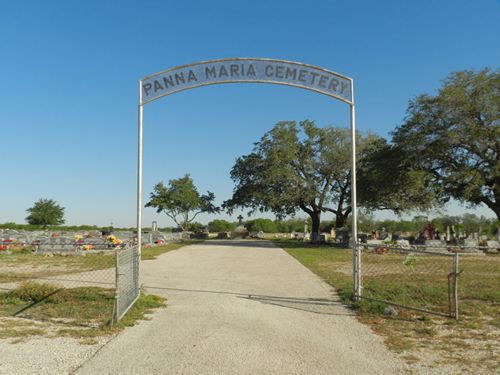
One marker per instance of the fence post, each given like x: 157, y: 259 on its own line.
x: 117, y: 292
x: 356, y: 270
x: 358, y: 259
x: 454, y: 290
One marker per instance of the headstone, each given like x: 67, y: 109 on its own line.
x: 362, y: 237
x: 403, y: 244
x: 343, y: 235
x: 240, y: 231
x: 493, y: 247
x: 57, y: 244
x: 435, y: 244
x: 471, y: 243
x: 374, y: 242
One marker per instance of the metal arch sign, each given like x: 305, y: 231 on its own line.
x: 244, y: 70
x: 250, y: 70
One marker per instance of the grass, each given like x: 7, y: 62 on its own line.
x: 320, y: 259
x: 474, y: 335
x: 83, y: 312
x: 22, y: 264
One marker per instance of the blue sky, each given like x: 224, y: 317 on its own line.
x: 69, y: 87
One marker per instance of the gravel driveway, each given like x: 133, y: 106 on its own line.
x: 242, y: 307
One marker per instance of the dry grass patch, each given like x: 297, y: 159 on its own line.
x: 84, y: 313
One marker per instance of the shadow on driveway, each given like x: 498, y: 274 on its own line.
x: 240, y: 243
x: 313, y: 305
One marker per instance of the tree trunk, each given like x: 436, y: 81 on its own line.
x: 494, y: 206
x: 339, y: 220
x: 341, y: 217
x: 316, y: 220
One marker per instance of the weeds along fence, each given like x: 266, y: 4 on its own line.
x: 434, y: 281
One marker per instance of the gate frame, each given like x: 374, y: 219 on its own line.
x: 356, y: 259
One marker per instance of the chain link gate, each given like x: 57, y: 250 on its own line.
x: 127, y: 280
x: 415, y: 279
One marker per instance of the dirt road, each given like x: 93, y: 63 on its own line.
x: 242, y: 307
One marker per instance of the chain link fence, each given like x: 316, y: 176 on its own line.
x: 81, y: 280
x: 433, y: 280
x: 127, y: 279
x: 54, y: 283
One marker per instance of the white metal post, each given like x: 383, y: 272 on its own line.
x: 356, y: 255
x: 139, y: 173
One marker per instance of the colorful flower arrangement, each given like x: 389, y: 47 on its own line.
x: 113, y: 240
x: 88, y: 247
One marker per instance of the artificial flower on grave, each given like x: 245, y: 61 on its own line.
x: 78, y: 237
x: 3, y: 247
x: 115, y: 241
x: 88, y: 247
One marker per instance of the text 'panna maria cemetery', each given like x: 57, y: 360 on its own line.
x: 246, y: 70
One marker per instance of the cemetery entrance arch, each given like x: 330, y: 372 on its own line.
x: 249, y: 70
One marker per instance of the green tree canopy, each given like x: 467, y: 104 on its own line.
x: 386, y: 182
x: 195, y: 227
x: 264, y: 225
x: 220, y: 225
x: 293, y: 225
x: 450, y: 141
x: 45, y: 212
x: 181, y: 201
x: 298, y: 167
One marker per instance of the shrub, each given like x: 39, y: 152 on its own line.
x: 264, y: 225
x: 219, y: 225
x: 292, y: 225
x: 196, y: 227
